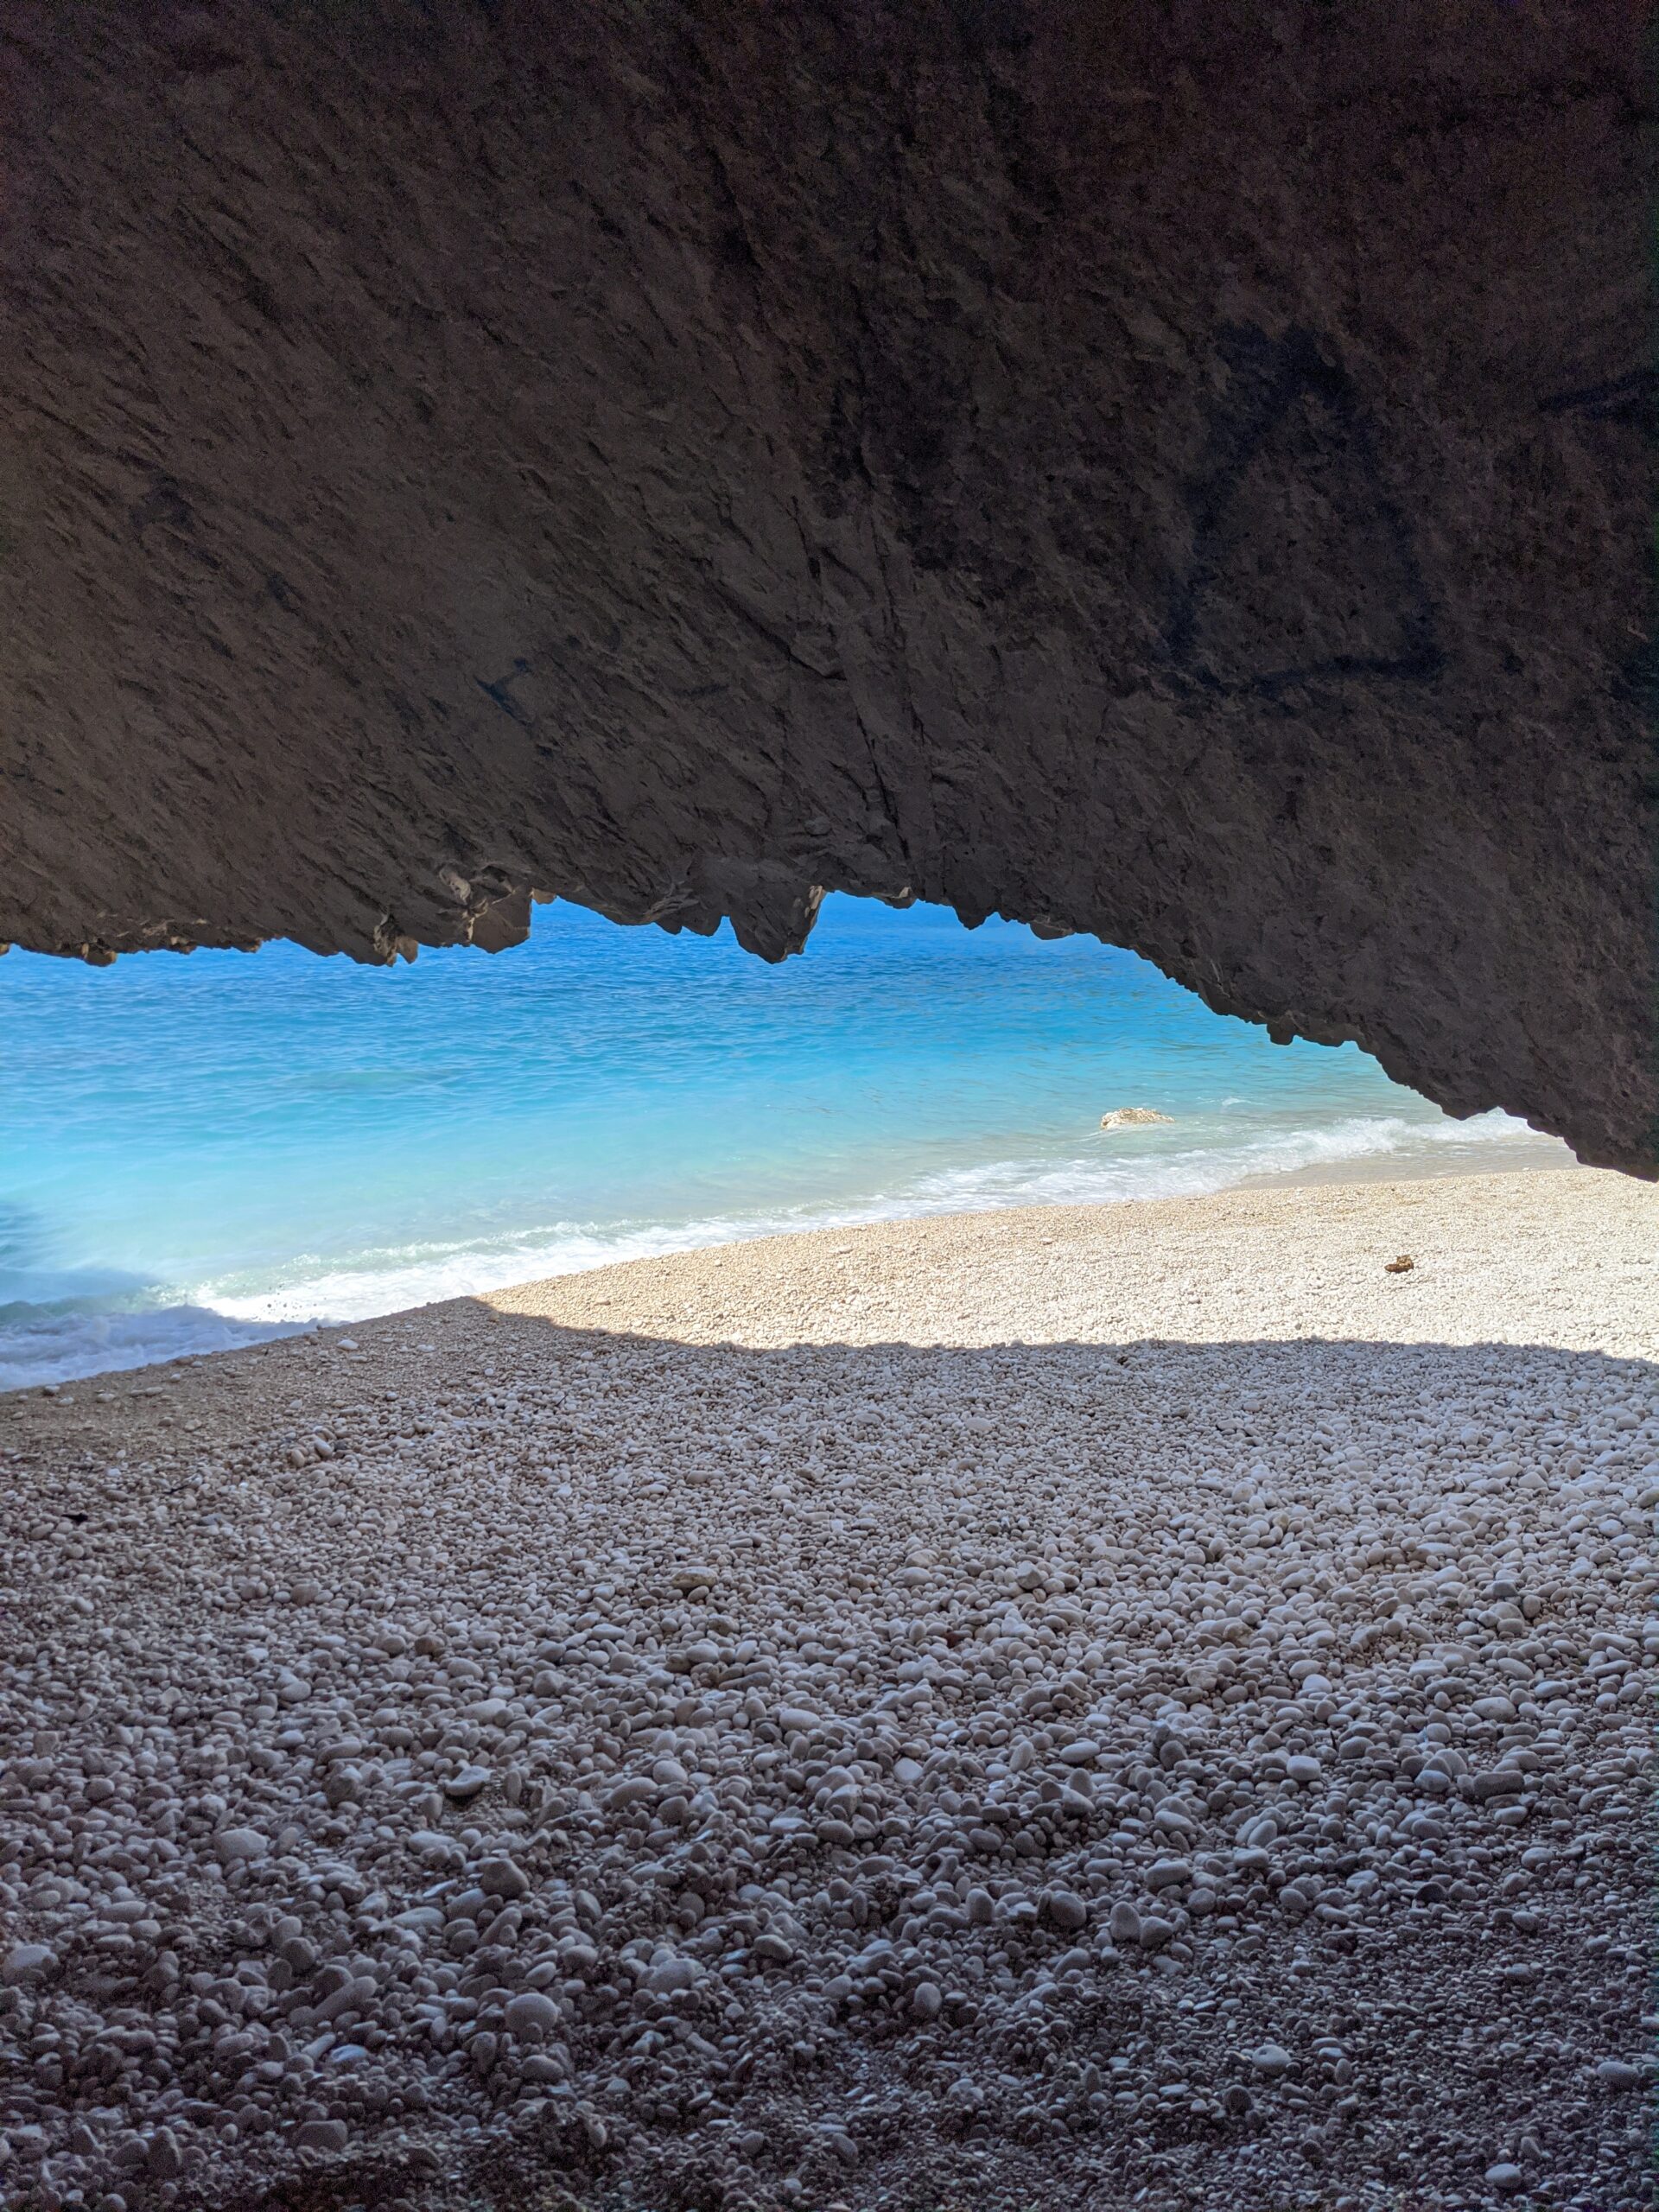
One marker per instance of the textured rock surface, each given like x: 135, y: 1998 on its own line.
x: 1185, y: 479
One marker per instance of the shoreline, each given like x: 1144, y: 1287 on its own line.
x: 965, y: 1709
x: 1363, y: 1171
x: 1516, y: 1158
x: 1325, y: 1274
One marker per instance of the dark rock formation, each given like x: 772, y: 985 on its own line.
x: 1180, y: 471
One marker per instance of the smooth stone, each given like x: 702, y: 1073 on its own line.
x: 1270, y: 2060
x: 1124, y: 1925
x: 165, y: 2161
x: 331, y: 2135
x: 1066, y: 1909
x: 501, y: 1878
x: 530, y: 2013
x: 26, y: 1963
x: 1619, y: 2073
x: 671, y: 1975
x: 234, y: 1845
x: 1169, y: 1874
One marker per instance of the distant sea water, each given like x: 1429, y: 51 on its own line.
x: 197, y: 1152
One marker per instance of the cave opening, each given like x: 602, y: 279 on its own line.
x: 203, y: 1150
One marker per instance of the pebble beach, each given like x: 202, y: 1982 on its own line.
x: 1132, y: 1705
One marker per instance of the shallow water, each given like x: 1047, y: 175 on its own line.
x: 195, y: 1151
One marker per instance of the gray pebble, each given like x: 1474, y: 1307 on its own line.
x: 26, y: 1963
x: 330, y: 2135
x: 531, y: 2014
x: 1619, y: 2073
x: 1065, y: 1909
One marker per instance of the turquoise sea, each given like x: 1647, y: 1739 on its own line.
x: 194, y: 1152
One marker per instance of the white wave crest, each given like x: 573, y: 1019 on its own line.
x: 50, y: 1347
x: 420, y: 1274
x: 1175, y: 1171
x: 46, y: 1345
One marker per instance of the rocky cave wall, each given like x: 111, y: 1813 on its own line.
x: 1172, y: 471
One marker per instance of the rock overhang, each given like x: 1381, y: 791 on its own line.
x: 1184, y: 479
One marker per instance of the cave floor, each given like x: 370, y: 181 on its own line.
x: 1130, y: 1706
